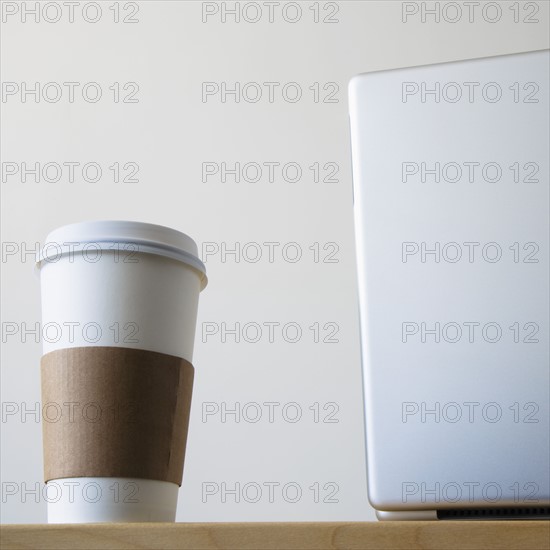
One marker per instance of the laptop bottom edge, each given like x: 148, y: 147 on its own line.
x: 531, y: 513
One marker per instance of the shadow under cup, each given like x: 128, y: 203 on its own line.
x: 119, y: 309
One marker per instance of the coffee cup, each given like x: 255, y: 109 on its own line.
x: 119, y: 309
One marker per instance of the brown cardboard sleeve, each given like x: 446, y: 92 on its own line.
x: 115, y: 412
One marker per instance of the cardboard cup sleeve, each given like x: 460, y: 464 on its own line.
x: 115, y: 412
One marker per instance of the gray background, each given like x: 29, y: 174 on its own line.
x: 169, y: 133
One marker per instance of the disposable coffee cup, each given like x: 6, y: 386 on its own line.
x: 119, y: 310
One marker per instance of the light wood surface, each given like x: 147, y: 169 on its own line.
x: 443, y: 535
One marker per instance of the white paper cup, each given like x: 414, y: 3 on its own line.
x: 118, y: 284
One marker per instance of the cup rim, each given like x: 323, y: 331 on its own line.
x: 149, y: 238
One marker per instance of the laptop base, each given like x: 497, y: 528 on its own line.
x: 484, y: 514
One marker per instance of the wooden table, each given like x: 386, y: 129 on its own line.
x: 443, y: 535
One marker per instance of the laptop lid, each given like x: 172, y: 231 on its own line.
x: 451, y: 203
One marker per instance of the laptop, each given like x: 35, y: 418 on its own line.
x: 451, y: 206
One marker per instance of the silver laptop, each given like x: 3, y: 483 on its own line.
x: 451, y: 201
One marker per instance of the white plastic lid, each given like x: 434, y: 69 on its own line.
x: 148, y: 237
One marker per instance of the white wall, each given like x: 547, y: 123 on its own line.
x: 170, y: 132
